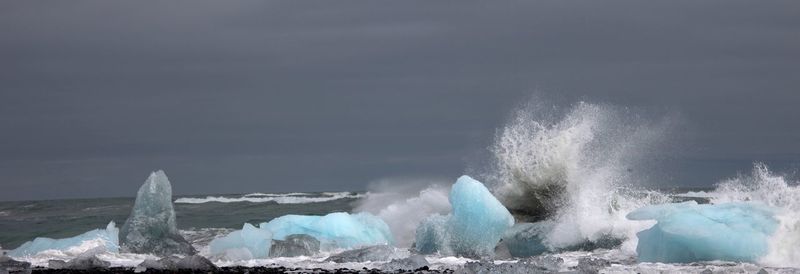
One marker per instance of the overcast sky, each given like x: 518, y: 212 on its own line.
x: 244, y: 96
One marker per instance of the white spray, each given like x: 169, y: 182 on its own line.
x: 403, y: 203
x: 574, y: 165
x: 763, y: 186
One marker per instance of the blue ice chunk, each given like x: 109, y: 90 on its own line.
x: 335, y: 230
x: 107, y: 239
x: 690, y: 232
x: 527, y: 239
x: 432, y: 235
x: 473, y: 229
x: 245, y: 244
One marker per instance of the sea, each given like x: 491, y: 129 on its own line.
x: 582, y: 169
x: 203, y: 218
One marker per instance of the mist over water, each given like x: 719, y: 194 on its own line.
x: 403, y: 203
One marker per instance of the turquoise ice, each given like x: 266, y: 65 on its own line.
x: 690, y: 232
x: 248, y: 243
x: 103, y: 238
x: 335, y: 230
x: 527, y: 239
x: 473, y: 228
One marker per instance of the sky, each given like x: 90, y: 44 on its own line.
x: 278, y: 96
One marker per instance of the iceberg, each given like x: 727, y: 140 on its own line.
x: 690, y: 232
x: 104, y: 239
x: 472, y: 229
x: 296, y: 235
x: 245, y: 244
x: 294, y: 245
x: 335, y: 230
x: 151, y: 227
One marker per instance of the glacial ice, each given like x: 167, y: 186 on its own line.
x: 245, y: 244
x: 151, y: 227
x: 106, y: 239
x: 375, y: 253
x: 690, y: 232
x: 335, y: 230
x: 295, y: 235
x: 83, y: 262
x: 294, y: 245
x: 526, y: 239
x: 473, y: 229
x: 432, y: 235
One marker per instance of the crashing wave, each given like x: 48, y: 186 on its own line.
x: 574, y: 169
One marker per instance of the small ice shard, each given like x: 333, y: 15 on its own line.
x: 690, y: 232
x: 294, y: 245
x: 174, y: 263
x: 526, y: 239
x: 160, y: 264
x: 413, y: 262
x: 376, y: 253
x: 335, y: 230
x: 151, y: 227
x: 245, y: 244
x: 195, y: 262
x: 87, y: 263
x: 106, y: 239
x: 9, y: 265
x: 56, y: 264
x: 473, y: 229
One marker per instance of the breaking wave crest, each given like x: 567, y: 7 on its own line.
x: 289, y: 198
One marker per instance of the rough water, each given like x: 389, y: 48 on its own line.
x: 567, y: 191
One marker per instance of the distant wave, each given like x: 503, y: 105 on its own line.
x: 287, y: 198
x: 696, y: 194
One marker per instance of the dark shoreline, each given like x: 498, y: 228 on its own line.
x: 233, y: 269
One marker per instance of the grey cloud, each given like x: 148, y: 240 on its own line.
x: 332, y: 95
